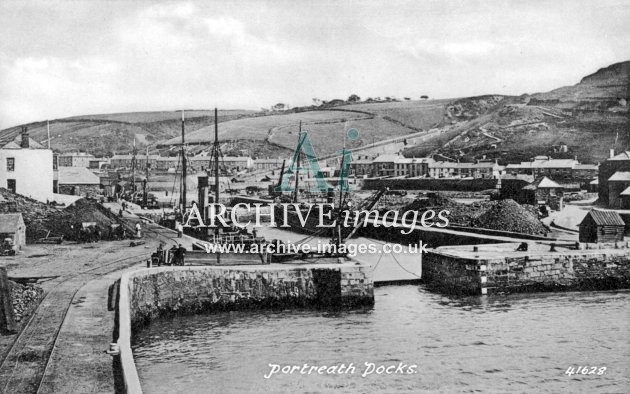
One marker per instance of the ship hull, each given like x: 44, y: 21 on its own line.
x: 311, y: 225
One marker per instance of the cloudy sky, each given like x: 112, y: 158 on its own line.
x: 64, y: 58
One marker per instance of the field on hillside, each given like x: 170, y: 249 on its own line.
x: 424, y: 114
x: 327, y: 127
x: 328, y: 138
x: 259, y: 128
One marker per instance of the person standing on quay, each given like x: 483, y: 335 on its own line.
x: 138, y: 230
x: 180, y: 229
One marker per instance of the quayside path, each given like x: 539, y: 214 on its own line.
x: 61, y: 347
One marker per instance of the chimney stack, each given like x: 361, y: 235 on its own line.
x: 612, y: 153
x: 24, y: 142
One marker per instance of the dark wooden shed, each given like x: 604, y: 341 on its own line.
x: 602, y: 226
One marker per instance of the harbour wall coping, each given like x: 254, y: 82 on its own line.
x: 149, y: 293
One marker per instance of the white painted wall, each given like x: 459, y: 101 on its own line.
x: 33, y: 172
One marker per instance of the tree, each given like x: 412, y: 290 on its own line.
x: 407, y: 98
x: 424, y: 97
x: 278, y: 107
x: 354, y: 98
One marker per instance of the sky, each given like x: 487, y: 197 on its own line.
x: 67, y: 58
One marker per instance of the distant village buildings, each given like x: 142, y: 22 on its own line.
x: 74, y: 159
x: 267, y: 164
x: 556, y: 169
x: 394, y: 165
x: 126, y: 161
x: 26, y: 167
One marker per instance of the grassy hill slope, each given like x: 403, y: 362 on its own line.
x: 589, y: 118
x: 114, y: 133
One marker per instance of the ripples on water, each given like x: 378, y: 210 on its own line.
x: 519, y: 343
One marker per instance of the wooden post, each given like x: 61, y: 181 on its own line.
x: 7, y: 317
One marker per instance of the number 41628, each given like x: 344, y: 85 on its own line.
x: 585, y: 370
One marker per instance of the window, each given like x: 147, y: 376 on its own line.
x: 10, y: 164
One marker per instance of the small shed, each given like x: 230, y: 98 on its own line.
x: 601, y: 226
x: 12, y: 226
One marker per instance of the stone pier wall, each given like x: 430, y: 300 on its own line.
x: 149, y: 293
x: 575, y: 270
x: 164, y: 291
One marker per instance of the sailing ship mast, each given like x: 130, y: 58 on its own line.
x: 297, y: 167
x: 183, y: 156
x: 133, y: 166
x: 216, y: 150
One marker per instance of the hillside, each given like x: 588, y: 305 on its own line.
x: 326, y: 128
x: 588, y: 118
x: 600, y: 90
x: 114, y: 133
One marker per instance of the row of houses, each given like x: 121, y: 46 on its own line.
x: 561, y: 170
x: 196, y: 163
x: 395, y: 165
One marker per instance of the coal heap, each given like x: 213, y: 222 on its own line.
x: 508, y: 215
x: 42, y: 220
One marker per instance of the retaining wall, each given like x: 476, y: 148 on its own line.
x: 150, y: 293
x: 469, y: 185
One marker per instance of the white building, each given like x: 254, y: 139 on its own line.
x: 26, y: 168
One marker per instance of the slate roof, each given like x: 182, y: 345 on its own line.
x: 620, y: 176
x: 9, y: 222
x: 622, y: 156
x: 32, y: 144
x: 546, y: 183
x: 77, y: 176
x: 605, y: 218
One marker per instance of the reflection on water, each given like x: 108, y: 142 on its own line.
x: 519, y: 343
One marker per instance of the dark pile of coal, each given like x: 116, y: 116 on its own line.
x: 46, y: 220
x: 84, y: 211
x: 34, y: 213
x: 25, y: 299
x: 505, y: 215
x: 508, y: 215
x: 459, y: 213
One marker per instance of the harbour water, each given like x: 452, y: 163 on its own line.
x: 516, y: 343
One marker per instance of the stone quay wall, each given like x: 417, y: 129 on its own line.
x: 150, y: 293
x: 554, y: 271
